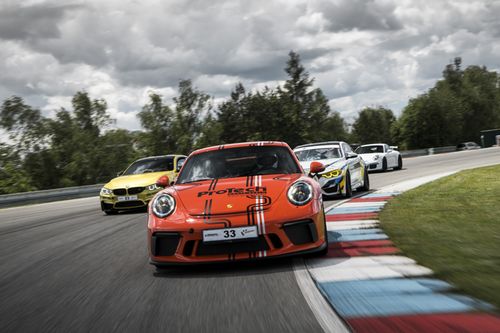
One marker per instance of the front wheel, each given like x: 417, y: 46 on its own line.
x: 384, y: 164
x: 347, y: 187
x: 366, y: 182
x: 400, y: 163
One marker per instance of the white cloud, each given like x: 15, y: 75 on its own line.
x: 362, y: 53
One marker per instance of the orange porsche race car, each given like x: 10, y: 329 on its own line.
x: 235, y: 202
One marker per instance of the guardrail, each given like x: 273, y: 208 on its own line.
x: 14, y: 199
x: 428, y: 151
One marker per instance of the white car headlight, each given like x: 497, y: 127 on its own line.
x: 376, y: 157
x: 300, y: 193
x: 106, y: 191
x: 163, y: 205
x: 152, y: 187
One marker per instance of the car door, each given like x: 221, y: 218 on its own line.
x: 389, y: 156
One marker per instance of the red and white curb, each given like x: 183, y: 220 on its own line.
x: 374, y: 288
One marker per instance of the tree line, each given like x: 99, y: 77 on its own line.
x: 75, y: 148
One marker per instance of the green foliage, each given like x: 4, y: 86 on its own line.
x: 191, y: 106
x: 73, y: 148
x: 26, y: 126
x: 295, y: 113
x: 68, y: 150
x: 456, y: 109
x: 13, y: 178
x: 373, y: 125
x: 157, y: 120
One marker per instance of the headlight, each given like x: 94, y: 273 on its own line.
x: 163, y: 205
x: 300, y: 193
x: 106, y: 191
x: 376, y: 157
x: 332, y: 173
x: 152, y: 187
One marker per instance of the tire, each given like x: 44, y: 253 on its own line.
x: 400, y: 163
x: 366, y: 182
x: 384, y: 164
x: 348, y: 188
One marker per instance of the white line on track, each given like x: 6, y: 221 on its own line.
x: 328, y: 319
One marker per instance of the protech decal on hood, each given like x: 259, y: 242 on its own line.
x: 255, y: 190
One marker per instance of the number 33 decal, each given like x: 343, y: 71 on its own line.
x: 229, y: 233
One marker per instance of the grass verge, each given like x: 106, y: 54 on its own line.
x: 452, y: 226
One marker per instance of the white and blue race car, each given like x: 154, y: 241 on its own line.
x: 344, y: 171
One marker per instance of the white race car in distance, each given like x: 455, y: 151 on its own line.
x: 380, y: 157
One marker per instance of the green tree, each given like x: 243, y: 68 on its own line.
x: 191, y: 107
x: 13, y: 178
x: 373, y: 125
x: 25, y: 125
x: 305, y: 109
x: 157, y: 120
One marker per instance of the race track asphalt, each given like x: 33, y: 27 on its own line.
x: 66, y: 267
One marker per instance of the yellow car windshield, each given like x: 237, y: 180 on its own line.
x: 154, y: 164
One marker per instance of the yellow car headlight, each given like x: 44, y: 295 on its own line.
x: 332, y: 173
x: 153, y: 187
x: 106, y: 191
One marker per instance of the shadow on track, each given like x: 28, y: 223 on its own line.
x: 243, y: 268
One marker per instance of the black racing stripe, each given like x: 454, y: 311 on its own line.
x: 205, y: 210
x: 209, y: 209
x: 215, y: 184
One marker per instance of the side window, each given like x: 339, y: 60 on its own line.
x: 386, y: 148
x: 180, y: 163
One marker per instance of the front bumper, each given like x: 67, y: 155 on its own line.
x: 374, y: 165
x: 281, y: 238
x: 332, y: 186
x: 111, y: 202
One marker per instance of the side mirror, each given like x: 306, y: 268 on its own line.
x: 119, y: 173
x: 351, y: 155
x: 163, y: 181
x: 316, y: 167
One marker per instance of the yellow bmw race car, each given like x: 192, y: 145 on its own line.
x: 136, y: 186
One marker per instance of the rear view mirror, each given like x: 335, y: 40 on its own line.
x: 163, y: 181
x: 316, y: 167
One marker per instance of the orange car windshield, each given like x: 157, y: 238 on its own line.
x: 238, y: 162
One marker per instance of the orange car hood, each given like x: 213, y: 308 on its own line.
x: 232, y: 195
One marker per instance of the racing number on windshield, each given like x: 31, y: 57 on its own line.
x: 229, y: 233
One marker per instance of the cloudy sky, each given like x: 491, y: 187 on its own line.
x: 361, y: 53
